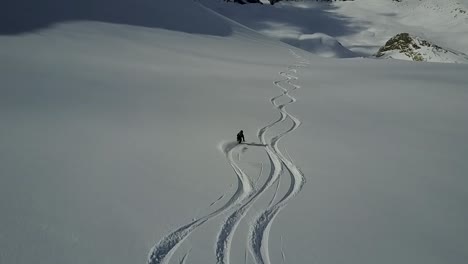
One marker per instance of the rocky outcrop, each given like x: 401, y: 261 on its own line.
x: 405, y: 46
x: 276, y: 1
x: 243, y: 2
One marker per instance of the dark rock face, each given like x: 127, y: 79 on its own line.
x: 404, y: 43
x: 272, y: 2
x: 243, y: 2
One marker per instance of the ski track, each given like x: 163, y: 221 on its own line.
x: 259, y: 174
x: 245, y: 256
x: 164, y: 249
x: 289, y: 156
x: 230, y: 224
x: 184, y: 258
x: 259, y: 233
x: 283, y: 256
x: 247, y: 192
x: 217, y: 200
x: 278, y: 181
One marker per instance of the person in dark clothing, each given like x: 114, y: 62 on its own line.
x: 240, y: 137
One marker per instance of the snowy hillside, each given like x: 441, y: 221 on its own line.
x: 436, y: 21
x: 360, y: 26
x: 119, y: 122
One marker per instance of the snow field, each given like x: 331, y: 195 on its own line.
x: 116, y: 141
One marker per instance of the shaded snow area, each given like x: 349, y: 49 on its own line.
x: 308, y: 25
x: 119, y: 121
x: 322, y: 45
x: 353, y: 28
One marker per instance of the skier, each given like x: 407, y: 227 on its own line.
x: 240, y: 137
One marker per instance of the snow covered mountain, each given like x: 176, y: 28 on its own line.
x: 353, y: 28
x: 407, y: 47
x: 119, y: 117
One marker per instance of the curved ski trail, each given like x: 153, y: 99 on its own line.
x: 259, y: 233
x: 230, y: 224
x: 247, y: 191
x: 164, y: 249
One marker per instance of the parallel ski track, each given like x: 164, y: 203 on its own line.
x: 184, y: 258
x: 259, y: 233
x: 230, y: 224
x: 225, y: 235
x: 246, y: 194
x: 164, y: 249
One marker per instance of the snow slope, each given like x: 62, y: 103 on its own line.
x: 116, y: 146
x: 360, y: 26
x: 307, y: 25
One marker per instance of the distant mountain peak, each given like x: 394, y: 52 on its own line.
x: 405, y: 46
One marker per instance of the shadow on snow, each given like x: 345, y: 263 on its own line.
x: 306, y: 17
x: 22, y: 16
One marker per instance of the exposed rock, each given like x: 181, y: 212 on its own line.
x: 243, y: 2
x: 408, y: 47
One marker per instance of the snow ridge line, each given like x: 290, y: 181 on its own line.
x: 162, y: 252
x: 259, y: 233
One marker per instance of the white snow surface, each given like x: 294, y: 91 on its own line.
x: 117, y: 137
